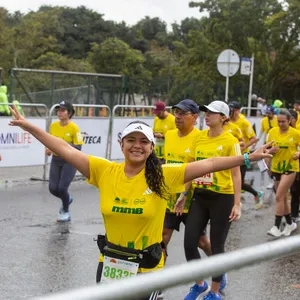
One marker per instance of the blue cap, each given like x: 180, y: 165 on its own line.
x: 187, y: 105
x: 270, y: 110
x: 235, y: 105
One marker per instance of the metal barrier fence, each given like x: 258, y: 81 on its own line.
x: 100, y: 126
x: 194, y: 270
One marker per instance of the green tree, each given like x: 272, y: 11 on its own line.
x: 116, y: 57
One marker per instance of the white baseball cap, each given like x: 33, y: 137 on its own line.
x: 217, y: 107
x: 138, y: 127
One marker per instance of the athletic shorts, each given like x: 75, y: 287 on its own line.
x: 173, y: 222
x: 277, y: 176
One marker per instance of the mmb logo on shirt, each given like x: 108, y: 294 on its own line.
x: 127, y: 210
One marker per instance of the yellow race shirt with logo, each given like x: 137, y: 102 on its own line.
x: 233, y: 129
x: 246, y: 128
x: 288, y: 142
x: 69, y: 133
x: 177, y: 150
x: 133, y: 215
x: 205, y: 147
x: 266, y: 125
x: 162, y: 126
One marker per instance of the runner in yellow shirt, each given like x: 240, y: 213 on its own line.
x: 267, y: 123
x: 178, y: 143
x: 295, y: 188
x: 216, y: 195
x: 285, y: 165
x: 249, y: 139
x: 61, y: 172
x: 163, y: 122
x: 133, y: 194
x: 297, y: 110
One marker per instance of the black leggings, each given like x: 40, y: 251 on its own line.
x: 60, y: 178
x: 153, y: 296
x: 207, y: 205
x: 246, y: 187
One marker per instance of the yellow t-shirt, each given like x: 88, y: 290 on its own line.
x: 288, y: 142
x: 265, y: 124
x: 234, y: 130
x: 177, y: 150
x: 246, y: 128
x: 205, y: 147
x: 162, y: 126
x: 69, y: 133
x: 133, y: 215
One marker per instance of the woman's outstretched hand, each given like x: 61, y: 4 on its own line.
x: 262, y: 152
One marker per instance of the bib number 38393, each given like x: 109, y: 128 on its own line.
x: 115, y: 269
x: 205, y: 179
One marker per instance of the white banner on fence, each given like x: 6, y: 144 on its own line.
x: 19, y: 148
x: 118, y: 126
x: 95, y: 134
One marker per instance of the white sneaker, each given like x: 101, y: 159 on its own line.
x: 296, y: 220
x: 270, y: 186
x: 288, y: 229
x: 274, y: 231
x: 64, y: 217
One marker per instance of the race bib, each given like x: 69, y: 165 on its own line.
x: 115, y: 269
x: 205, y: 180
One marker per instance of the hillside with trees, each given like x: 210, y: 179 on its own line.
x: 170, y: 64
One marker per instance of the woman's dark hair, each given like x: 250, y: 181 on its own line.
x: 294, y: 114
x: 153, y: 171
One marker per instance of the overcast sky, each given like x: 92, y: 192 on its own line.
x: 129, y: 11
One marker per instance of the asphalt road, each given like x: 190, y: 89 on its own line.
x: 39, y: 256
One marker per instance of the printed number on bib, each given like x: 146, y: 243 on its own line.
x: 115, y: 269
x: 205, y: 180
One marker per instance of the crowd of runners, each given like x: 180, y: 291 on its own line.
x: 173, y: 174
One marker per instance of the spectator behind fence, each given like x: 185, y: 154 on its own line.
x: 19, y: 107
x: 4, y: 110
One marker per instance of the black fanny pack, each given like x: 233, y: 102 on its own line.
x: 147, y: 258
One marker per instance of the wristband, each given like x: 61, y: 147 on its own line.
x: 247, y: 161
x: 185, y: 193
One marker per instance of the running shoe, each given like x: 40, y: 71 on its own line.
x: 223, y: 282
x: 274, y: 231
x: 259, y: 200
x: 61, y: 210
x: 64, y: 217
x: 197, y: 291
x: 212, y: 296
x: 160, y: 295
x: 296, y: 219
x: 270, y: 186
x: 288, y: 229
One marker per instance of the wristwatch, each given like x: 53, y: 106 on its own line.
x: 185, y: 193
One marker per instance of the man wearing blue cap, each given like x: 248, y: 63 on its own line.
x: 178, y: 143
